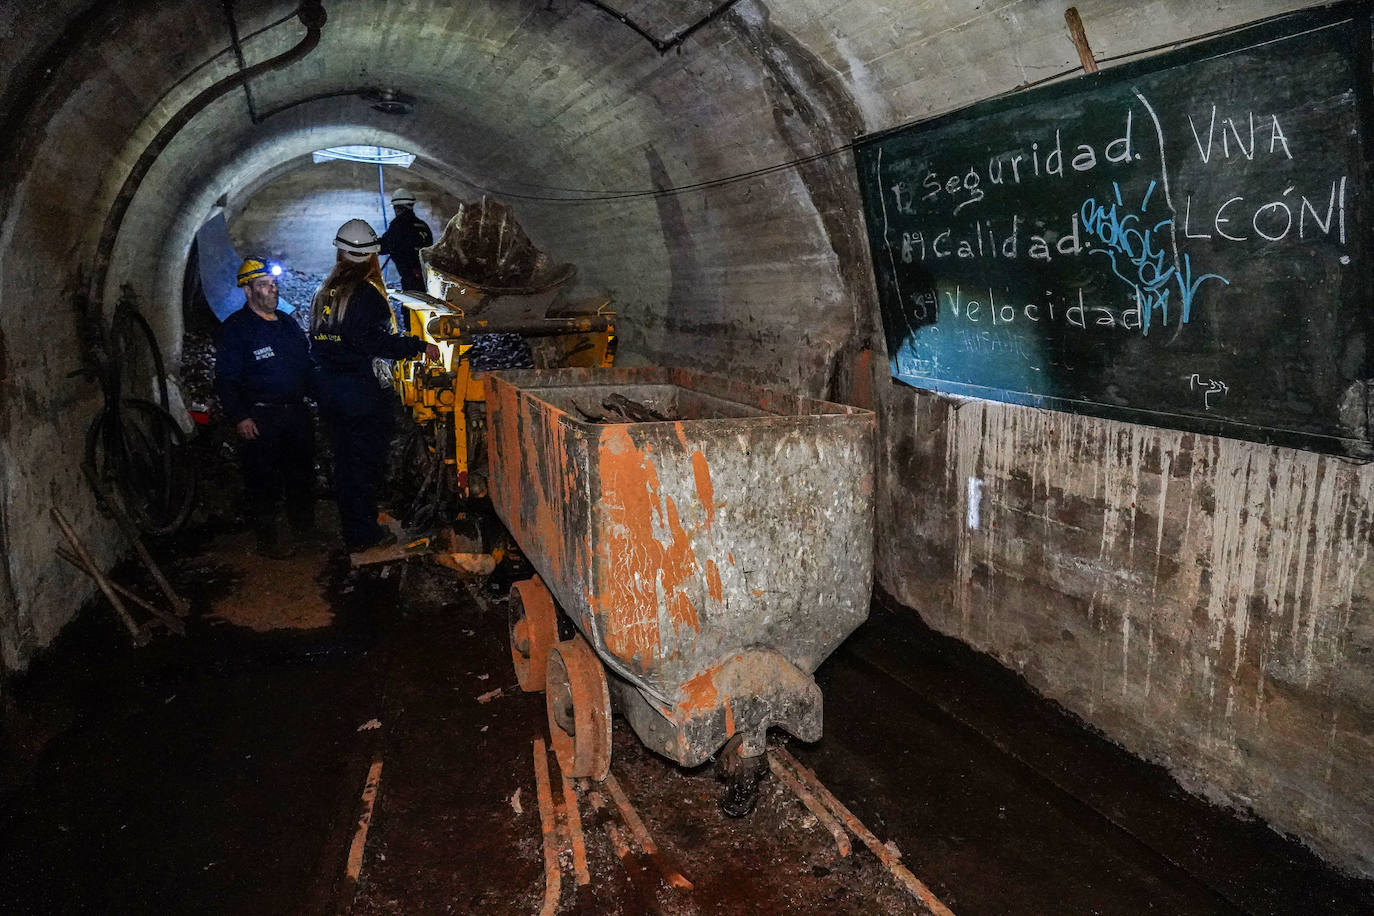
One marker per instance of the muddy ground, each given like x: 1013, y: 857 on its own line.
x: 224, y: 772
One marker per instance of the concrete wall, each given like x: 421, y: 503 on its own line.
x: 64, y: 125
x: 1204, y: 602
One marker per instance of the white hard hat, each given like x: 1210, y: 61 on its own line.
x: 402, y: 198
x: 356, y: 240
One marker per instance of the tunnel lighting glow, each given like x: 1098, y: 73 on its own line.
x: 375, y: 155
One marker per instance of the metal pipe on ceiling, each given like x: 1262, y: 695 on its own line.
x: 312, y: 15
x: 662, y: 45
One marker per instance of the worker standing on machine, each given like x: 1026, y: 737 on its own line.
x: 404, y: 238
x: 262, y: 370
x: 351, y: 323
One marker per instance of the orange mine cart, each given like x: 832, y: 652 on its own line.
x: 710, y: 541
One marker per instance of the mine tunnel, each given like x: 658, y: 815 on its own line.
x: 850, y: 458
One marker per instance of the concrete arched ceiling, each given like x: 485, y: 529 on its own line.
x: 507, y: 97
x: 511, y: 98
x: 292, y: 217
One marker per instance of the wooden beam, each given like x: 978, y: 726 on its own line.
x: 1080, y: 39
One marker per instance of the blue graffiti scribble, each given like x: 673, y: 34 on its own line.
x: 1137, y: 258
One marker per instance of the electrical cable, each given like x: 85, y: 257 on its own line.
x: 312, y: 16
x: 243, y: 39
x: 662, y: 45
x: 237, y: 44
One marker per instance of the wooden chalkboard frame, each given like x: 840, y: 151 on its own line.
x: 1350, y: 439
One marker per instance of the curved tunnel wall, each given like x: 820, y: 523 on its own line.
x: 1152, y: 582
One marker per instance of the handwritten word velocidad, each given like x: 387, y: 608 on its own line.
x: 958, y: 304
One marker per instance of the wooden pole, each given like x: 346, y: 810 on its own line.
x: 671, y: 873
x: 573, y: 820
x: 139, y: 635
x: 553, y: 874
x: 180, y: 606
x: 1080, y: 39
x: 354, y: 866
x: 887, y: 853
x: 823, y: 815
x: 171, y: 622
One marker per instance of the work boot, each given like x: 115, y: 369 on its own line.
x: 270, y: 546
x: 306, y: 536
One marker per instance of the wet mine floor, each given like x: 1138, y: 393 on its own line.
x: 225, y: 772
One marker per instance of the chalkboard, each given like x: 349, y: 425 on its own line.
x: 1181, y: 241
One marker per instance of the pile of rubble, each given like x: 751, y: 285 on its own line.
x: 492, y: 352
x: 198, y: 371
x: 298, y: 288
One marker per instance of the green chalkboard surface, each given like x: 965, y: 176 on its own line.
x: 1182, y: 241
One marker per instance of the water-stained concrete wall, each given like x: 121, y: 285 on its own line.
x: 1206, y: 602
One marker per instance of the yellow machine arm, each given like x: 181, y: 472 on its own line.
x: 453, y: 390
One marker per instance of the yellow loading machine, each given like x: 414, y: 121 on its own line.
x: 507, y: 287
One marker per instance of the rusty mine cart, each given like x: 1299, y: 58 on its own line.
x: 712, y: 545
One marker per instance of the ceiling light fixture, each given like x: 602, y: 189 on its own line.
x: 390, y: 101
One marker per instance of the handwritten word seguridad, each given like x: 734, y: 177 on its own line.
x: 964, y: 187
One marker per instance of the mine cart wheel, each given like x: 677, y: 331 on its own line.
x: 533, y: 631
x: 579, y: 705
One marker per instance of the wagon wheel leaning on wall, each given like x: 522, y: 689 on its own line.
x: 135, y: 355
x: 578, y: 701
x: 136, y: 452
x: 533, y: 631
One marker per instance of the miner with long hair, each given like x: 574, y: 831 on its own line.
x: 351, y: 324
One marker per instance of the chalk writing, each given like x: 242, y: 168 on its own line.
x: 1132, y: 247
x: 1074, y: 312
x: 1272, y: 221
x: 963, y: 185
x: 1089, y: 245
x: 1209, y: 387
x: 1278, y: 141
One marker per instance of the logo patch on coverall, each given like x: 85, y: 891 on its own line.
x: 263, y: 353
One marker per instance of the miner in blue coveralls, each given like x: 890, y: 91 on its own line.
x: 351, y: 324
x: 262, y: 369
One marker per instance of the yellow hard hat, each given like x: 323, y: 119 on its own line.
x: 251, y: 269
